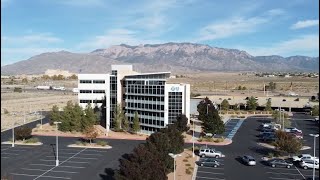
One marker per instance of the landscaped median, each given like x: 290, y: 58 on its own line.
x: 184, y: 165
x: 30, y: 141
x: 207, y: 140
x: 98, y: 145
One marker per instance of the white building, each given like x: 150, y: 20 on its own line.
x: 156, y: 102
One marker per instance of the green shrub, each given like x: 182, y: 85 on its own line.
x: 5, y: 111
x: 17, y: 89
x: 188, y: 164
x: 102, y: 143
x: 10, y: 140
x: 32, y: 140
x: 188, y: 171
x: 270, y: 155
x: 22, y: 133
x: 185, y: 160
x: 78, y: 143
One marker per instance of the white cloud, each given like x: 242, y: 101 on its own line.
x: 114, y: 37
x: 30, y: 38
x: 85, y: 3
x: 236, y: 26
x: 303, y: 45
x: 305, y: 24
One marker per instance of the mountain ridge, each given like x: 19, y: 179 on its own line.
x: 177, y: 57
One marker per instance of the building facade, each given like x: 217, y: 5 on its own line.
x: 156, y: 102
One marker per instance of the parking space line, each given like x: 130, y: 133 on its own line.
x: 40, y: 165
x: 210, y: 168
x: 9, y: 153
x: 209, y: 172
x: 300, y: 173
x: 17, y: 174
x: 56, y: 177
x: 5, y: 149
x: 282, y: 173
x: 72, y: 157
x: 76, y: 162
x: 60, y: 163
x: 17, y: 150
x: 74, y: 149
x: 72, y: 167
x: 92, y: 150
x: 4, y: 157
x: 28, y: 169
x: 92, y: 154
x: 282, y: 178
x: 209, y: 178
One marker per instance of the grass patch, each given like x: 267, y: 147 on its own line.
x: 102, y: 143
x: 78, y: 143
x: 32, y: 140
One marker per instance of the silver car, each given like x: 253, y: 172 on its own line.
x: 249, y: 160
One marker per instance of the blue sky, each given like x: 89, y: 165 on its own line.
x: 260, y: 27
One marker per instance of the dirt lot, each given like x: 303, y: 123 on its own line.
x: 14, y: 105
x: 221, y: 81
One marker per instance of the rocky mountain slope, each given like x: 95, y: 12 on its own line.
x: 174, y: 57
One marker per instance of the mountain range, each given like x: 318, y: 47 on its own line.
x: 174, y: 57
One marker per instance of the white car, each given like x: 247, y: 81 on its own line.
x: 292, y: 129
x: 309, y: 164
x: 249, y: 160
x: 304, y: 157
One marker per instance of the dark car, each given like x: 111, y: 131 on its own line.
x: 211, y: 162
x: 279, y: 163
x: 268, y: 138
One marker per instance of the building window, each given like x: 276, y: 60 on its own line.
x: 98, y: 81
x: 85, y: 81
x: 85, y: 91
x: 97, y: 101
x: 85, y: 101
x: 99, y: 91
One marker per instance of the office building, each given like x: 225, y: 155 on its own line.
x: 157, y: 102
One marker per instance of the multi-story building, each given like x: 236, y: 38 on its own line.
x: 156, y: 102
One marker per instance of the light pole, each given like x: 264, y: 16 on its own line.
x: 107, y: 125
x: 207, y: 107
x: 174, y: 163
x: 13, y: 123
x: 314, y: 152
x: 41, y: 118
x: 57, y: 146
x: 193, y: 139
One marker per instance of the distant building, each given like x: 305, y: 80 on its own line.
x: 156, y: 102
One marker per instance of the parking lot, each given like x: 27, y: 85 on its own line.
x: 38, y: 162
x: 231, y: 127
x: 245, y: 143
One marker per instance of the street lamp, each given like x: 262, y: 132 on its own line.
x: 193, y: 138
x: 107, y: 125
x: 174, y: 156
x: 13, y: 123
x: 207, y: 107
x: 57, y: 146
x: 314, y: 153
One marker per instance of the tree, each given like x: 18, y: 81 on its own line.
x: 141, y: 164
x: 54, y: 114
x: 268, y: 105
x: 286, y: 121
x: 182, y: 123
x: 45, y: 77
x: 252, y: 103
x: 136, y: 123
x: 287, y: 143
x: 315, y: 110
x: 125, y: 123
x: 25, y: 80
x: 272, y: 86
x: 118, y: 118
x: 22, y: 133
x: 244, y: 88
x: 225, y: 105
x: 204, y: 106
x: 73, y: 77
x: 239, y: 88
x: 176, y: 138
x: 89, y: 119
x: 90, y: 134
x: 159, y: 144
x: 213, y: 123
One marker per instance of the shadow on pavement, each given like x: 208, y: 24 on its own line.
x: 109, y: 174
x: 261, y: 150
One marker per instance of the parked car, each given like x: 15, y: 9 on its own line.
x: 207, y: 152
x: 309, y: 164
x: 266, y: 133
x: 208, y: 162
x: 303, y: 157
x: 249, y: 160
x: 296, y: 135
x: 268, y: 138
x: 292, y: 129
x: 279, y: 163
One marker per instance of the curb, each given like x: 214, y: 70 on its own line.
x: 99, y: 137
x: 194, y: 175
x: 211, y: 143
